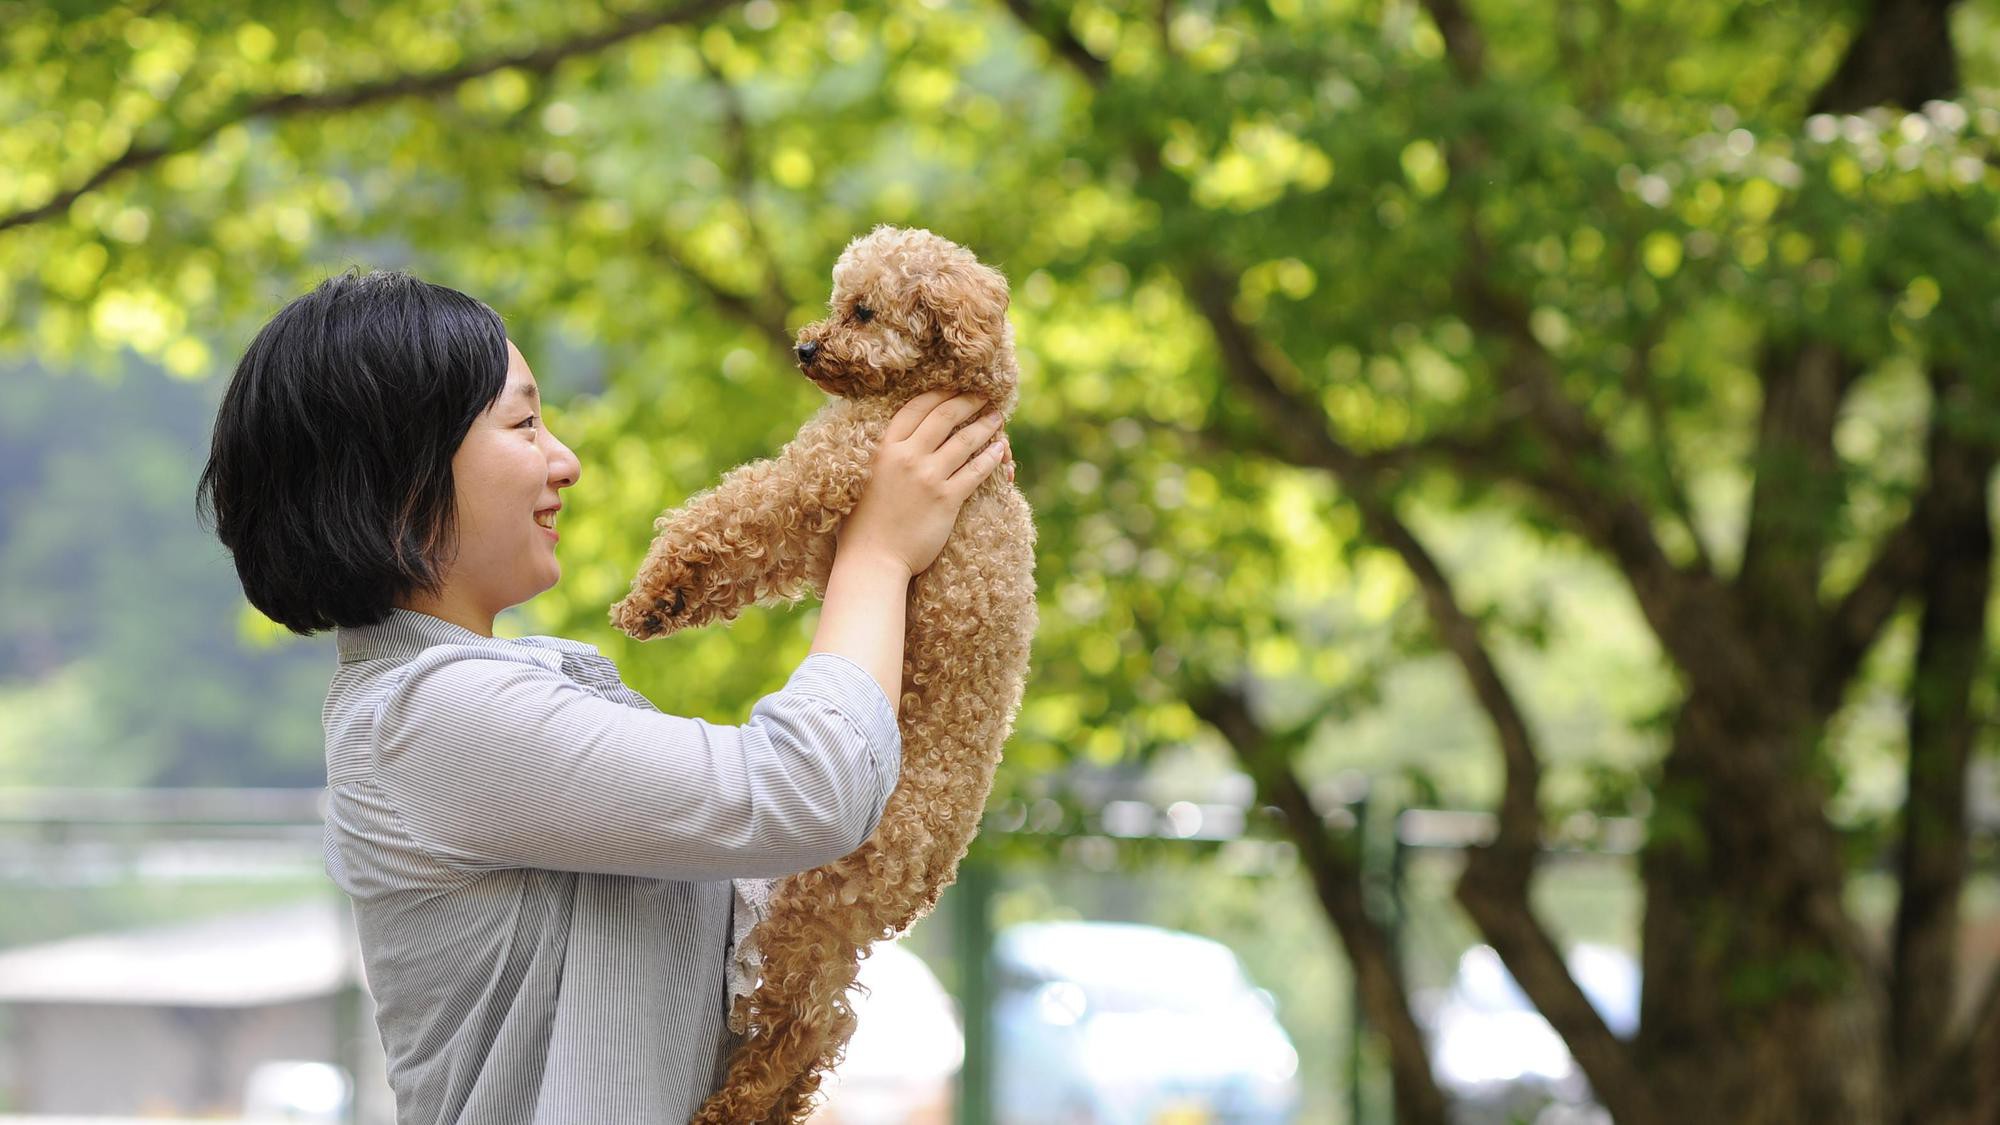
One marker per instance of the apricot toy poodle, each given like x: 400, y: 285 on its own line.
x: 910, y: 312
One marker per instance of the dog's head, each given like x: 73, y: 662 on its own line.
x: 911, y: 312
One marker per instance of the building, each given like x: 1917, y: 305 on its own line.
x: 178, y: 1019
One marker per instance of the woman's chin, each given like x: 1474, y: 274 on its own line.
x: 551, y: 575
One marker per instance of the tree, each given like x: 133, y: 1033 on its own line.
x: 1699, y: 292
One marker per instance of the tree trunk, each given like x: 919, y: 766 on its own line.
x: 1943, y: 724
x: 1759, y: 1006
x: 1902, y: 56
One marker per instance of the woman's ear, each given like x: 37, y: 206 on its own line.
x: 968, y: 303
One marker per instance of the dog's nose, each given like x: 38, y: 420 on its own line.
x: 807, y: 351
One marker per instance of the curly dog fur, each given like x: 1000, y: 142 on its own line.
x: 935, y: 317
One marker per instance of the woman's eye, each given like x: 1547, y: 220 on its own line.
x: 528, y: 421
x: 863, y: 313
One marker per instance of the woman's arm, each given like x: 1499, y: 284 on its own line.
x: 932, y: 456
x: 867, y: 598
x: 496, y: 761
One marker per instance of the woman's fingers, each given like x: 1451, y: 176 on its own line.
x: 943, y: 418
x: 914, y: 411
x: 967, y: 441
x: 975, y: 471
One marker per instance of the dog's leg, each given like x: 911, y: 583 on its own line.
x: 765, y: 532
x: 801, y: 1014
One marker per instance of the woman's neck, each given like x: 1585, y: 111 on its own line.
x: 453, y: 607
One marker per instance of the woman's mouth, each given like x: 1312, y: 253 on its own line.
x: 546, y: 520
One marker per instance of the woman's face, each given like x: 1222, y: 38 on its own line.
x: 508, y: 468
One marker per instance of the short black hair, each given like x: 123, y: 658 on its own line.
x: 329, y: 471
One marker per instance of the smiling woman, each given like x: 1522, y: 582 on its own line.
x: 547, y: 871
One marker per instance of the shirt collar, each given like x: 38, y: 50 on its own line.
x: 405, y: 632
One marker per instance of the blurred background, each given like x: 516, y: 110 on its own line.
x: 1515, y: 489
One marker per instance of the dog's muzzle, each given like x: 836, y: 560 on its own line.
x: 807, y: 351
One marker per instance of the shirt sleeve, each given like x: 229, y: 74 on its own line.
x: 495, y: 762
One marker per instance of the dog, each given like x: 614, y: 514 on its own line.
x: 910, y: 312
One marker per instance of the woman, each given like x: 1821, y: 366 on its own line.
x: 539, y: 860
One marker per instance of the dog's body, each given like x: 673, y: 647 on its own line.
x: 936, y: 318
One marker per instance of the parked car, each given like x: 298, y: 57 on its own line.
x: 1496, y: 1055
x: 1100, y: 1023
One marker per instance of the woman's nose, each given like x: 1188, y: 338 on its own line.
x: 565, y: 469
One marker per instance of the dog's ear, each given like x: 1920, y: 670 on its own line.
x: 968, y: 304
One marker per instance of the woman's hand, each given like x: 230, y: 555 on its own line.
x: 922, y: 475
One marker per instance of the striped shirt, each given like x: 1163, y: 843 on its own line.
x: 540, y: 861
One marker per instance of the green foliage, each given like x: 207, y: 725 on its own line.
x: 1648, y: 188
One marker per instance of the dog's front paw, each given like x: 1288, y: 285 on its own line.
x: 669, y: 613
x: 645, y: 615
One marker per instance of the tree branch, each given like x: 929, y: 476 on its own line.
x: 1473, y: 449
x: 1496, y: 898
x: 767, y: 319
x: 1306, y: 442
x: 1463, y: 43
x: 1620, y: 526
x: 1336, y: 878
x: 538, y: 60
x: 1855, y: 622
x: 1060, y: 40
x: 1494, y: 887
x: 1902, y: 52
x: 1858, y: 619
x: 1587, y: 491
x: 1794, y: 492
x: 1640, y: 384
x: 743, y: 171
x: 1682, y: 606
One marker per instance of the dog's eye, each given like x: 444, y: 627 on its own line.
x: 863, y: 313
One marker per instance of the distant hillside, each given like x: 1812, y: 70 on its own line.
x: 124, y: 654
